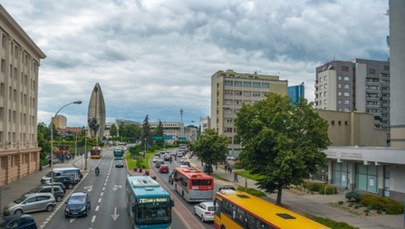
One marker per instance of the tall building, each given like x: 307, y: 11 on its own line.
x: 59, y: 121
x: 19, y: 74
x: 96, y: 113
x: 358, y: 85
x: 397, y: 61
x: 229, y: 90
x: 296, y: 93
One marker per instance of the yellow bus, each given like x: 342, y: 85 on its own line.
x: 234, y: 210
x: 95, y: 152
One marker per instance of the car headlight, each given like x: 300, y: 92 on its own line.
x: 67, y: 210
x: 83, y: 208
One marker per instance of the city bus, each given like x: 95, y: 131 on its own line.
x: 148, y: 204
x: 118, y: 153
x: 237, y: 210
x: 193, y: 185
x: 95, y: 152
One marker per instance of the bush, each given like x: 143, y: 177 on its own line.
x: 328, y: 190
x: 314, y: 186
x: 381, y: 203
x: 353, y: 196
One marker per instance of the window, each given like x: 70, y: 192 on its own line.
x: 339, y: 101
x: 256, y: 94
x: 347, y: 109
x: 346, y: 94
x: 345, y: 68
x: 346, y: 78
x: 332, y: 122
x: 2, y: 89
x: 238, y: 93
x: 386, y: 68
x: 371, y: 71
x: 347, y: 86
x: 347, y: 102
x: 238, y: 83
x: 3, y: 40
x: 265, y: 85
x: 339, y: 85
x: 324, y: 78
x: 247, y: 93
x: 3, y: 65
x: 256, y: 84
x: 339, y: 93
x: 228, y: 92
x: 228, y: 83
x: 238, y: 102
x: 339, y: 78
x: 247, y: 84
x: 228, y: 101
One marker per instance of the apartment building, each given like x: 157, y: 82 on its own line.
x: 60, y: 121
x: 19, y: 72
x: 229, y: 90
x: 358, y: 85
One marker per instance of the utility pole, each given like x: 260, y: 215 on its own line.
x: 85, y: 154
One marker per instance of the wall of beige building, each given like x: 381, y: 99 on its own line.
x: 19, y: 73
x: 353, y: 129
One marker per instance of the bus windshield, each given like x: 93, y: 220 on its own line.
x: 152, y: 214
x: 201, y: 182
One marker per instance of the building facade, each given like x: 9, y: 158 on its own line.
x: 59, y: 121
x: 19, y: 74
x: 229, y: 90
x: 358, y: 85
x: 397, y: 72
x: 296, y: 93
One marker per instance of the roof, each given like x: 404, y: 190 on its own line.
x: 146, y: 186
x: 193, y: 173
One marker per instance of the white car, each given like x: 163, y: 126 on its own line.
x: 155, y: 158
x: 205, y: 210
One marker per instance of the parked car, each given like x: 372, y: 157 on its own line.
x: 68, y: 181
x: 78, y: 204
x: 205, y: 211
x: 55, y: 183
x: 119, y: 164
x: 65, y: 171
x: 31, y: 203
x: 159, y: 163
x: 164, y: 168
x: 58, y: 192
x: 18, y: 222
x: 231, y: 158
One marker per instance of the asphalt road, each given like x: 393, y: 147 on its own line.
x: 107, y: 195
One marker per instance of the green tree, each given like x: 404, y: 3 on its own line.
x: 159, y: 134
x: 146, y: 136
x: 281, y: 142
x: 43, y: 134
x: 210, y: 147
x: 132, y: 132
x: 113, y: 130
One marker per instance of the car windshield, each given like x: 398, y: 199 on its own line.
x: 19, y: 200
x: 211, y: 208
x: 76, y: 200
x: 153, y: 214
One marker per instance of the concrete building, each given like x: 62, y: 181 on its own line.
x: 378, y: 170
x: 205, y: 122
x: 59, y: 121
x: 397, y: 72
x: 19, y: 74
x: 96, y: 113
x: 229, y: 90
x: 296, y: 93
x: 358, y: 85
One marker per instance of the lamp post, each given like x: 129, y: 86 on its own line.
x: 75, y: 102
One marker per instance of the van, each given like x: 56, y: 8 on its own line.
x: 58, y: 192
x: 66, y: 171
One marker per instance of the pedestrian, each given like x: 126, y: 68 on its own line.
x: 235, y: 178
x: 226, y: 168
x: 216, y: 166
x: 230, y: 169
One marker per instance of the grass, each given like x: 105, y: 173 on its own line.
x: 131, y: 163
x: 332, y: 224
x: 247, y: 174
x: 251, y: 191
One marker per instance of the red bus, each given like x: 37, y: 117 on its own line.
x: 193, y: 185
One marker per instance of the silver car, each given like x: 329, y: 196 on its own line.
x: 31, y: 203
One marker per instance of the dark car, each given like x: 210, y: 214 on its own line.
x: 58, y: 192
x: 18, y: 222
x: 55, y: 183
x: 167, y: 157
x: 170, y: 179
x: 119, y: 164
x: 78, y: 204
x: 68, y: 181
x: 159, y: 162
x: 208, y: 169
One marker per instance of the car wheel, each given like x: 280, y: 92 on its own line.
x: 70, y: 186
x: 49, y: 208
x: 202, y: 218
x: 58, y: 198
x: 66, y: 216
x: 18, y: 212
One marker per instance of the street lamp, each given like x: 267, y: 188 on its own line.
x: 53, y: 118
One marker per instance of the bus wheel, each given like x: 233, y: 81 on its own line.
x: 223, y: 227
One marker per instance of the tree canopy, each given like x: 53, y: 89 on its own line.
x: 210, y: 147
x: 281, y: 142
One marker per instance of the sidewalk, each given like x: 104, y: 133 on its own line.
x: 317, y: 205
x: 19, y: 187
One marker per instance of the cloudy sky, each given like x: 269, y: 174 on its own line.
x: 156, y: 57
